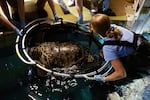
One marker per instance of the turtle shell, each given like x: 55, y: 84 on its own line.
x: 57, y: 54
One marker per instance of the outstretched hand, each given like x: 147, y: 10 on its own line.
x: 99, y: 78
x: 16, y: 30
x: 56, y: 18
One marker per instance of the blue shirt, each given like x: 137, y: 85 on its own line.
x: 112, y: 52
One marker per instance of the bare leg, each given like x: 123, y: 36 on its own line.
x: 94, y: 6
x: 21, y: 11
x: 40, y: 8
x: 41, y: 4
x: 52, y: 6
x: 79, y: 5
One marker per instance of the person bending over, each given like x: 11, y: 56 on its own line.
x: 115, y: 50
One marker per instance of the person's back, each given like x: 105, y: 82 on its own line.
x: 119, y: 43
x: 115, y: 51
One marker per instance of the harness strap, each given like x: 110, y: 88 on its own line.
x: 124, y: 43
x: 135, y: 39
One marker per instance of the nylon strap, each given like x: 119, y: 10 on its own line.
x: 124, y: 43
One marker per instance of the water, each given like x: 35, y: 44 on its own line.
x: 12, y: 78
x: 16, y: 83
x: 146, y: 94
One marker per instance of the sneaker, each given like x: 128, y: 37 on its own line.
x: 71, y: 3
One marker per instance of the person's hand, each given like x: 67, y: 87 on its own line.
x: 80, y: 20
x: 16, y: 30
x: 99, y: 78
x: 56, y: 18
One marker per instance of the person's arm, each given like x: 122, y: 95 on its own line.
x: 21, y: 11
x: 52, y: 6
x: 119, y: 71
x: 8, y: 24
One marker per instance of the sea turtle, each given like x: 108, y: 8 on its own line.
x: 57, y: 54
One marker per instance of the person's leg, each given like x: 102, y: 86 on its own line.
x: 40, y: 8
x: 52, y: 6
x: 21, y: 11
x: 105, y: 5
x: 94, y: 7
x: 79, y: 5
x: 106, y: 10
x: 41, y: 4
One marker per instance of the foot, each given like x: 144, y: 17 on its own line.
x: 71, y: 3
